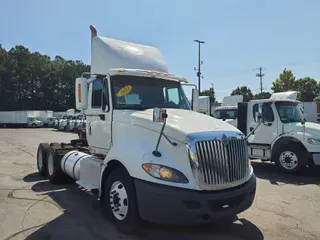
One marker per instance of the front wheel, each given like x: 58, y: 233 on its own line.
x: 289, y: 159
x: 119, y: 201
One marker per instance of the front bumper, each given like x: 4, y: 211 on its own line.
x: 170, y: 205
x: 316, y: 158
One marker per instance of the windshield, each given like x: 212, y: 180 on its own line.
x: 289, y: 112
x: 70, y: 117
x: 225, y: 114
x: 64, y: 117
x: 32, y: 119
x: 80, y: 117
x: 133, y: 92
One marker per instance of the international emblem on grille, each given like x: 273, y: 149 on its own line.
x: 224, y: 139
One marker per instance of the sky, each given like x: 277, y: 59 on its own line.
x: 240, y: 36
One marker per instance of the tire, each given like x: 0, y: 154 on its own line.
x: 119, y: 182
x: 55, y: 173
x: 289, y: 159
x: 42, y: 158
x: 33, y: 126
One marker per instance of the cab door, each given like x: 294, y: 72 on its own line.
x: 99, y: 117
x: 266, y: 130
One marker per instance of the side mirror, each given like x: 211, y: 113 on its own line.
x: 260, y: 113
x: 81, y: 93
x: 159, y: 114
x: 195, y: 100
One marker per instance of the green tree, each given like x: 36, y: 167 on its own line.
x: 263, y: 95
x: 308, y: 89
x: 209, y: 92
x: 244, y: 91
x: 285, y: 82
x: 34, y: 81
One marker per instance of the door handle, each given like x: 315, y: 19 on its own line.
x: 102, y: 117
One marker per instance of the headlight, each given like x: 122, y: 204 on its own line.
x: 164, y: 173
x: 315, y: 141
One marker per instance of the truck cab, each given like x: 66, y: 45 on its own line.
x: 279, y: 133
x: 228, y: 111
x: 34, y: 122
x: 145, y: 147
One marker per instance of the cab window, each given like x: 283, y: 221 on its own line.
x: 267, y: 112
x: 96, y: 94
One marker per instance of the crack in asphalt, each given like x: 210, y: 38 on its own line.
x: 21, y: 149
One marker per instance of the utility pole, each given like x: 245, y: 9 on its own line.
x: 260, y: 75
x: 199, y: 63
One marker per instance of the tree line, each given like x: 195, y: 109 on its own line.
x: 32, y: 81
x: 307, y: 87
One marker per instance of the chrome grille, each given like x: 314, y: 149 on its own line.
x: 222, y: 161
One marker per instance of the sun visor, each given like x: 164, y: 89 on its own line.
x: 292, y: 95
x: 109, y: 53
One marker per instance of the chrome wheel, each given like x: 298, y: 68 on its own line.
x: 288, y: 160
x: 50, y: 164
x: 118, y: 200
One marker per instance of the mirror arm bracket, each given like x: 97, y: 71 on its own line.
x: 172, y: 143
x: 156, y: 153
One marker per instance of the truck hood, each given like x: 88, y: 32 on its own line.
x: 311, y: 128
x: 179, y: 122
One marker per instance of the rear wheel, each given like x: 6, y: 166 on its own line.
x: 41, y: 158
x: 289, y: 158
x: 120, y: 202
x: 55, y: 173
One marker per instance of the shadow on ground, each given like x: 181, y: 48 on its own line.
x: 269, y: 171
x: 81, y: 219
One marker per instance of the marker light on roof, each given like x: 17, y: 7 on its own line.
x: 120, y: 70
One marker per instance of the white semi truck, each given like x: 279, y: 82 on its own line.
x: 146, y: 153
x: 279, y: 132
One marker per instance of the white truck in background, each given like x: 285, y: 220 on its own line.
x: 228, y: 111
x: 279, y: 132
x: 19, y: 119
x: 143, y: 153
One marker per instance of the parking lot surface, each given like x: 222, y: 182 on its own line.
x: 286, y: 207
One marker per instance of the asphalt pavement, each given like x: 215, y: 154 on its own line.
x: 285, y: 207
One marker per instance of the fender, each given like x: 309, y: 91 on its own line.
x: 286, y: 139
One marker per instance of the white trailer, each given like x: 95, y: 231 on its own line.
x: 205, y: 105
x: 146, y: 148
x: 19, y: 119
x: 310, y: 111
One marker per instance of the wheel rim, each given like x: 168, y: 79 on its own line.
x: 40, y: 160
x: 288, y: 160
x: 118, y: 200
x: 50, y: 164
